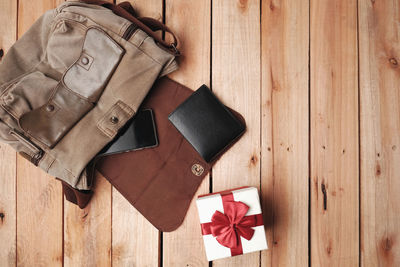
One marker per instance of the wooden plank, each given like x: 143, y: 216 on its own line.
x: 334, y: 134
x: 135, y: 241
x: 8, y: 20
x: 236, y: 81
x: 39, y: 217
x: 39, y: 196
x: 8, y: 212
x: 87, y: 232
x: 190, y: 21
x: 285, y: 131
x: 147, y: 8
x: 379, y: 132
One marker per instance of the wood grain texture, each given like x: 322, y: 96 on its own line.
x: 8, y: 212
x: 135, y: 242
x: 147, y: 8
x: 379, y: 132
x: 285, y: 131
x: 190, y: 21
x: 8, y: 20
x: 39, y: 196
x: 87, y: 232
x: 334, y: 134
x: 236, y: 81
x: 39, y: 217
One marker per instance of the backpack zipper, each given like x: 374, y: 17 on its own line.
x: 129, y: 31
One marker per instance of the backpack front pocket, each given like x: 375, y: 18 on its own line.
x: 97, y: 62
x: 26, y: 93
x: 77, y: 92
x: 50, y: 122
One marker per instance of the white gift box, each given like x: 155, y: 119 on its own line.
x: 210, y: 204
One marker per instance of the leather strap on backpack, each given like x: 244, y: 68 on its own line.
x: 148, y: 25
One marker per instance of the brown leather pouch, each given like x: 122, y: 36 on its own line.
x: 160, y: 182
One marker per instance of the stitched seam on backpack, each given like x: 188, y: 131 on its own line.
x: 109, y: 132
x: 7, y: 87
x: 96, y: 24
x: 121, y: 30
x: 66, y: 169
x: 51, y: 161
x: 140, y: 49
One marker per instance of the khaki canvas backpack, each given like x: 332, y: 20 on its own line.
x: 74, y: 79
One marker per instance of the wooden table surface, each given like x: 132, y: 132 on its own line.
x: 318, y: 84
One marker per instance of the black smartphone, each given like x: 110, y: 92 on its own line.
x: 139, y: 134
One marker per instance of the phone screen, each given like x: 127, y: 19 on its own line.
x: 139, y: 134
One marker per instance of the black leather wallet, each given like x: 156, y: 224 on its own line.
x: 206, y: 123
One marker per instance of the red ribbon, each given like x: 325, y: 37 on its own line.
x: 229, y: 226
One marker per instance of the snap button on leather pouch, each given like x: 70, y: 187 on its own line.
x: 197, y: 169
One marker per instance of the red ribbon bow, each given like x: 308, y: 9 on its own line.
x: 229, y: 226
